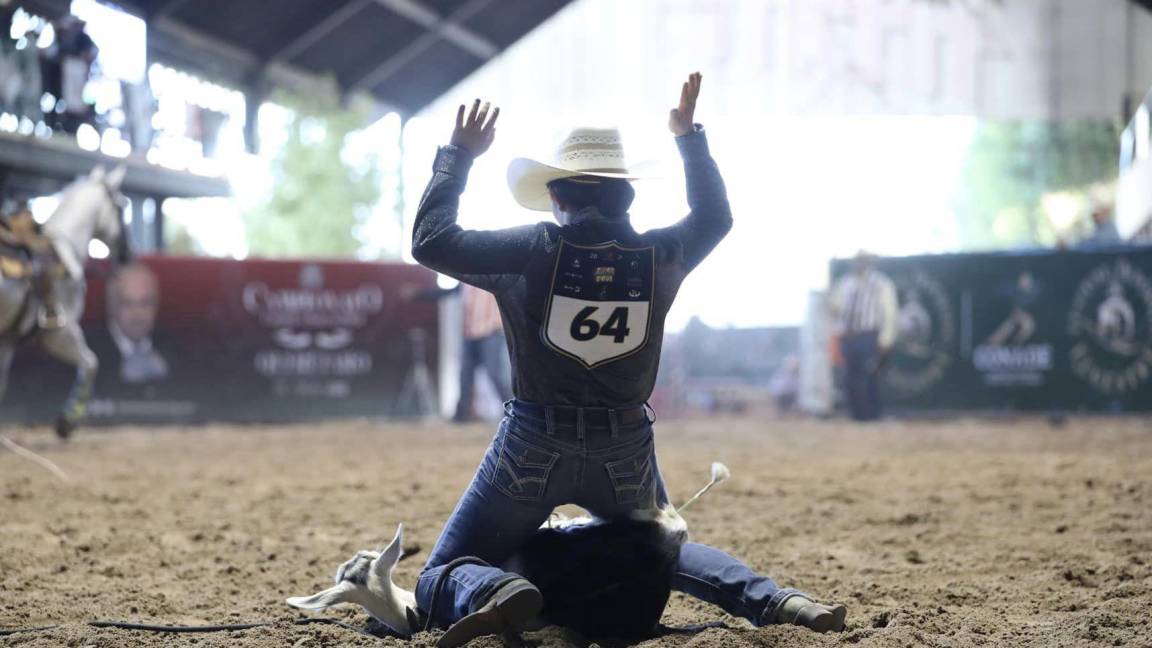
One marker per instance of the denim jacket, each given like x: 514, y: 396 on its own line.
x: 583, y: 304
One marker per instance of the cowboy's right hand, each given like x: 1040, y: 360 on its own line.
x: 680, y: 120
x: 475, y: 132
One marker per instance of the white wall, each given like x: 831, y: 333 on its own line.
x: 1022, y: 59
x: 1028, y: 59
x: 1139, y: 47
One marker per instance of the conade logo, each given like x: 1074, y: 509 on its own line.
x: 926, y: 331
x: 1111, y: 324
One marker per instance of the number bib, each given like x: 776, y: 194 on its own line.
x: 600, y: 302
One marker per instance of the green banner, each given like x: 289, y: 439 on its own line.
x: 1059, y: 331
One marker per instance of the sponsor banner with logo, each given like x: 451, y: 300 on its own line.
x: 188, y: 339
x: 1052, y: 331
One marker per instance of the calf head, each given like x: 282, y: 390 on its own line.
x: 366, y: 580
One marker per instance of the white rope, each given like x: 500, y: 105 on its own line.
x: 697, y: 495
x: 720, y: 474
x: 28, y: 454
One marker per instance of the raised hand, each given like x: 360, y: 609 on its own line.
x: 680, y: 120
x: 476, y: 132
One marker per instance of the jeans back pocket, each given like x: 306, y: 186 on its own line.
x: 522, y: 469
x: 633, y: 478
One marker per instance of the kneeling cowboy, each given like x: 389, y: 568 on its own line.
x: 31, y: 255
x: 583, y: 302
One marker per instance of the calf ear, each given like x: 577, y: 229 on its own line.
x: 391, y: 555
x: 343, y: 592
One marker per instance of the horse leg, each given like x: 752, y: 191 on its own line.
x: 67, y: 345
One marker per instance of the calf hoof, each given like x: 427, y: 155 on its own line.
x: 65, y: 427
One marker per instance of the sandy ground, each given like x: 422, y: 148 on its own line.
x: 968, y: 533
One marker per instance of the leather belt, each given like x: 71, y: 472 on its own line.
x: 567, y: 415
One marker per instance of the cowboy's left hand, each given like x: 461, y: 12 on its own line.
x: 476, y: 132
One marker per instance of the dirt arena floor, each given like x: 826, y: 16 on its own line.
x: 969, y: 533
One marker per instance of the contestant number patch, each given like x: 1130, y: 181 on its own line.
x: 600, y: 302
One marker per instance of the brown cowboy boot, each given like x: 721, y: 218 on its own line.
x: 803, y: 611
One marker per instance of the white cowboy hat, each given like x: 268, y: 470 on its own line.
x: 586, y: 152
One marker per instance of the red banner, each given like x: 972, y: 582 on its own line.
x: 184, y: 339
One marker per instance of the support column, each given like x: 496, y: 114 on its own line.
x: 146, y: 237
x: 254, y: 95
x: 136, y: 230
x: 158, y: 224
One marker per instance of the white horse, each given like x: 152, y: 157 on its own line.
x: 90, y: 209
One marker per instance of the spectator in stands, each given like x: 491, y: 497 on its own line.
x: 66, y: 66
x: 20, y: 90
x: 1104, y: 232
x: 864, y: 307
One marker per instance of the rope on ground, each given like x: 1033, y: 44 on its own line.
x: 45, y: 463
x: 124, y: 625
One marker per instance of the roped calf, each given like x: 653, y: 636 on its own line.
x: 598, y: 577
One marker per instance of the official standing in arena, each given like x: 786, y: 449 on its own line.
x: 864, y: 306
x: 484, y: 348
x: 583, y: 302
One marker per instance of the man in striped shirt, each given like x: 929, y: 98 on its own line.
x: 864, y: 307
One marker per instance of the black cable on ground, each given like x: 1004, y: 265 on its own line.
x: 124, y: 625
x: 4, y: 632
x: 382, y: 631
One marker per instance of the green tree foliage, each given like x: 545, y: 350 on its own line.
x: 319, y: 199
x: 1012, y: 165
x: 179, y: 241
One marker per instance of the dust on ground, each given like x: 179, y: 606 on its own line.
x: 966, y: 533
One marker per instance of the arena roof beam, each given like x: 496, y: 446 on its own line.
x: 319, y: 31
x: 439, y: 29
x: 166, y: 9
x: 447, y: 28
x: 30, y: 158
x: 222, y: 60
x: 361, y: 43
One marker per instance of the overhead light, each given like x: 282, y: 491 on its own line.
x: 87, y: 138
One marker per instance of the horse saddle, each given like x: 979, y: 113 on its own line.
x: 14, y: 267
x: 18, y: 263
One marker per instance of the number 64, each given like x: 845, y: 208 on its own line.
x: 584, y: 328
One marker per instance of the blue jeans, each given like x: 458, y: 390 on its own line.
x: 861, y: 353
x: 491, y: 353
x: 529, y: 469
